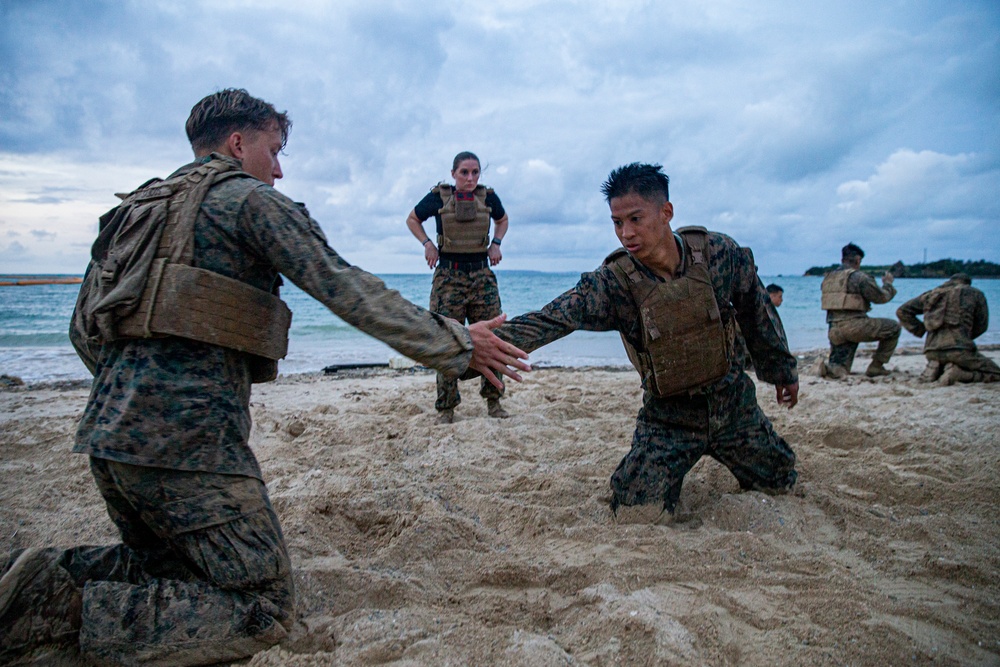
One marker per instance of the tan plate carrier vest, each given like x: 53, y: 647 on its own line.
x: 687, y: 344
x: 835, y: 295
x: 181, y: 300
x: 943, y: 308
x: 465, y: 219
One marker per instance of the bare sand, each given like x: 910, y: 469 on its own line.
x: 490, y: 541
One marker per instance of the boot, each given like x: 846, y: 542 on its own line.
x: 876, y: 369
x: 955, y: 374
x: 494, y: 410
x: 653, y: 514
x: 446, y: 416
x: 833, y: 371
x: 39, y: 604
x: 932, y: 373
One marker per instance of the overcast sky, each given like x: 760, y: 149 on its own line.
x: 795, y: 127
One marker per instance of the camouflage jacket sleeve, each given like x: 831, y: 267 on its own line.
x: 866, y: 286
x: 981, y: 314
x: 596, y: 303
x: 294, y: 243
x: 907, y: 315
x: 735, y: 277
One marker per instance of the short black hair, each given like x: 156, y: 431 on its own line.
x: 645, y: 180
x: 774, y: 289
x: 220, y: 114
x: 851, y: 250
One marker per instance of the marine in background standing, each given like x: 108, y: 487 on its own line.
x: 464, y: 287
x: 847, y: 295
x: 955, y: 314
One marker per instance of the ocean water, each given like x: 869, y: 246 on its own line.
x: 34, y: 319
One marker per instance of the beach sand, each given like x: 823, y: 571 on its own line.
x: 490, y: 541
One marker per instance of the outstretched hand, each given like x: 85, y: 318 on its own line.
x: 788, y: 394
x: 491, y: 355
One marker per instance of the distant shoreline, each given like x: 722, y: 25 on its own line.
x: 938, y: 269
x: 878, y: 274
x: 18, y: 281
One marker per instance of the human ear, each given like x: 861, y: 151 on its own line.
x: 667, y: 212
x: 235, y: 145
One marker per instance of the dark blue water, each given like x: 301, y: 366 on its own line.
x: 34, y: 343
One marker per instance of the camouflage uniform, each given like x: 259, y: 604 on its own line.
x: 952, y: 341
x: 847, y: 328
x: 723, y: 420
x: 466, y: 296
x: 465, y: 289
x: 202, y: 574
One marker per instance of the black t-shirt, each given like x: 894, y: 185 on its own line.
x: 432, y: 203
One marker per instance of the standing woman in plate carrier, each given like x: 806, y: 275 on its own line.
x: 464, y: 287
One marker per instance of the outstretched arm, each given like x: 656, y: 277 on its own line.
x: 592, y: 305
x: 282, y: 231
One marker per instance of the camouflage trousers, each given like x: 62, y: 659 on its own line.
x: 469, y: 297
x: 982, y: 368
x: 201, y: 576
x: 845, y: 335
x: 672, y: 434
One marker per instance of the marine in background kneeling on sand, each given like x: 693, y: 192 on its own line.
x: 955, y: 314
x: 847, y: 295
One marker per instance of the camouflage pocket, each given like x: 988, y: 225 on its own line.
x: 217, y: 500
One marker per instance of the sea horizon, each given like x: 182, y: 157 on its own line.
x: 34, y: 321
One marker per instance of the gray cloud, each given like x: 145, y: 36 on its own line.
x: 12, y: 250
x: 43, y: 235
x: 45, y: 199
